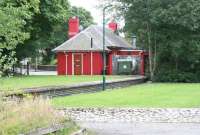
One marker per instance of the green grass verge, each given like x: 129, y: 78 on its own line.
x: 145, y: 95
x: 17, y: 83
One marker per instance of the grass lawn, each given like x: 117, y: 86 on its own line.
x: 17, y: 83
x: 145, y: 95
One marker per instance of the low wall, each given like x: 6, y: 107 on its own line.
x: 133, y: 114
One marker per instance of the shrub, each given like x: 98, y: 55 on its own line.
x: 176, y: 76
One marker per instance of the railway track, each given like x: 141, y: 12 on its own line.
x: 91, y: 87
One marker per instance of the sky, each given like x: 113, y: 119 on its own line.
x: 90, y: 5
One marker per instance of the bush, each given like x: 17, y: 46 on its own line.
x: 7, y: 60
x: 176, y: 76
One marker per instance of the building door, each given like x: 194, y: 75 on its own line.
x: 77, y: 64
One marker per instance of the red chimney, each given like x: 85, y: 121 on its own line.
x: 113, y: 26
x: 73, y: 26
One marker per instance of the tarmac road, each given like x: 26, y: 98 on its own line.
x: 118, y: 128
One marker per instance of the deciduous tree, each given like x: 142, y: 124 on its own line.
x: 14, y: 16
x: 169, y: 30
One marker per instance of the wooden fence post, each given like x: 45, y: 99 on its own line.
x: 27, y: 68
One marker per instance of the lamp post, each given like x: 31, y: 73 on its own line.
x: 104, y: 53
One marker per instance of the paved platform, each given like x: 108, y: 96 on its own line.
x: 119, y: 128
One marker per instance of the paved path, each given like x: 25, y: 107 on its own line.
x: 118, y: 128
x: 32, y: 72
x: 38, y: 72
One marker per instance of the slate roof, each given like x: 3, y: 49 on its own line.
x: 82, y: 41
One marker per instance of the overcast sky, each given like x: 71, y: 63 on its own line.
x: 90, y: 5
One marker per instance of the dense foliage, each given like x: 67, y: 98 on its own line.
x: 50, y: 28
x: 170, y: 31
x: 32, y: 28
x: 14, y: 17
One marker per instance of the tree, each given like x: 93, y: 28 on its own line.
x: 14, y: 16
x: 84, y: 16
x: 138, y: 20
x: 50, y: 28
x: 32, y: 28
x: 169, y: 30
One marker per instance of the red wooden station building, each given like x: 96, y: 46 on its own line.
x: 82, y: 53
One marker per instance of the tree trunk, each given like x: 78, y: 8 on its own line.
x: 155, y: 55
x: 150, y: 52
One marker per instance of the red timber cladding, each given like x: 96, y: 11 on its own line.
x: 87, y: 63
x: 97, y: 63
x: 61, y: 63
x: 109, y: 66
x: 69, y: 63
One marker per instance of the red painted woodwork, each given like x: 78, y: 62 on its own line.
x: 82, y: 62
x: 135, y: 52
x: 69, y: 63
x: 77, y: 64
x: 109, y: 69
x: 87, y: 63
x: 61, y: 63
x: 97, y: 63
x: 112, y: 26
x: 73, y: 25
